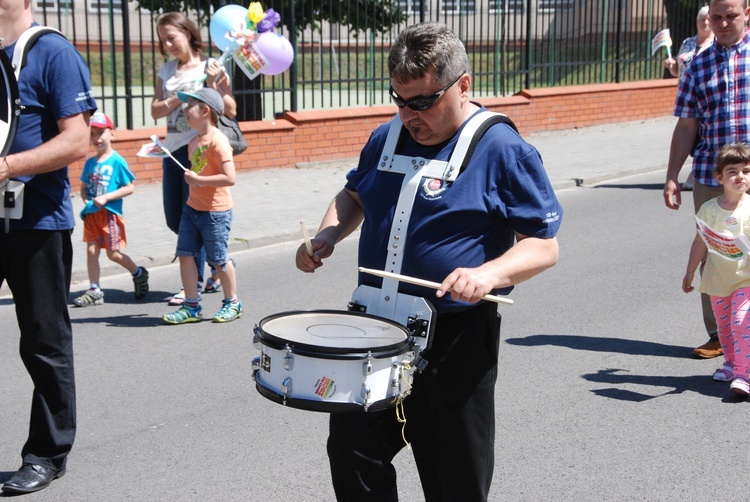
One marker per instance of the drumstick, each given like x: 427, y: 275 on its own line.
x: 306, y: 236
x: 158, y: 142
x: 427, y: 284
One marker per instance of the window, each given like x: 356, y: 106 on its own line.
x: 409, y: 6
x: 553, y: 5
x: 103, y: 6
x: 53, y: 5
x: 451, y: 6
x: 506, y: 6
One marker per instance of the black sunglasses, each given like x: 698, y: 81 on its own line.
x: 420, y: 103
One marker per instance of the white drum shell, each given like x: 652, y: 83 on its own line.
x: 364, y: 365
x: 331, y: 382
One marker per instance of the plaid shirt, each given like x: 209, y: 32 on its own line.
x: 716, y: 91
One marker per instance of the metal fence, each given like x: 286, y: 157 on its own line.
x: 513, y: 45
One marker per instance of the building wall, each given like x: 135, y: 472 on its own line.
x: 328, y: 135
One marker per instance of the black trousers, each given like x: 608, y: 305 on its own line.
x: 450, y: 421
x: 37, y: 266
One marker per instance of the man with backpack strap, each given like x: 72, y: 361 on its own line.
x: 36, y: 252
x: 475, y: 230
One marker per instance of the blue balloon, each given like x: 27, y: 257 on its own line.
x: 228, y: 18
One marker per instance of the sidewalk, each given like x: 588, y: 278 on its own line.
x: 269, y: 204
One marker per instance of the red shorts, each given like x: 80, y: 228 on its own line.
x: 106, y: 229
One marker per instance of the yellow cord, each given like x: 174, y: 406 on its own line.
x: 401, y: 417
x: 400, y: 413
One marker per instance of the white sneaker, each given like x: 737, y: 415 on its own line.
x: 740, y: 387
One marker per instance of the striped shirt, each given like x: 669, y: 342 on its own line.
x: 716, y: 91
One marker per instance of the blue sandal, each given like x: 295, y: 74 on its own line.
x: 214, y: 285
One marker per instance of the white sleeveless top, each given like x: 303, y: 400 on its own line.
x: 179, y: 132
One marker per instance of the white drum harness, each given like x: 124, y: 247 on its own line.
x: 415, y: 313
x: 363, y: 375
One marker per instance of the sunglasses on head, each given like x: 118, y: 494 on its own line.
x: 420, y: 103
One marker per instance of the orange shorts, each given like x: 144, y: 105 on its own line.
x: 105, y: 228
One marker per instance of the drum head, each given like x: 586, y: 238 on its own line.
x: 9, y: 89
x: 333, y: 332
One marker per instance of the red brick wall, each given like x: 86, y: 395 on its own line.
x: 325, y: 135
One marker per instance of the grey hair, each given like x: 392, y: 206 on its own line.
x: 428, y: 48
x: 703, y: 11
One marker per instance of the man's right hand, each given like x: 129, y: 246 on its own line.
x: 672, y: 194
x: 321, y: 249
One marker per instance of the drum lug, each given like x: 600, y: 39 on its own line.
x: 396, y: 376
x: 288, y: 359
x: 286, y: 387
x: 367, y: 366
x: 366, y: 395
x: 256, y: 366
x: 256, y: 339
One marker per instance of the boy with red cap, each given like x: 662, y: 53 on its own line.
x: 106, y: 179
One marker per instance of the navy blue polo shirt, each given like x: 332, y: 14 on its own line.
x: 54, y: 84
x: 466, y: 223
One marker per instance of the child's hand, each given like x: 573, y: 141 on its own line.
x: 100, y: 201
x: 687, y: 283
x: 191, y: 178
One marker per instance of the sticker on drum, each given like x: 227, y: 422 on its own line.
x: 333, y: 360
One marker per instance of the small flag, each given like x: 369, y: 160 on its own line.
x: 152, y: 150
x: 662, y: 39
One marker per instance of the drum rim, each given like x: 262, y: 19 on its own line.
x: 324, y: 406
x: 306, y: 349
x: 13, y: 96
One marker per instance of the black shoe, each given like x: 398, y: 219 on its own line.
x: 31, y: 478
x: 141, y: 285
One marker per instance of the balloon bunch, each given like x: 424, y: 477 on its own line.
x: 247, y: 36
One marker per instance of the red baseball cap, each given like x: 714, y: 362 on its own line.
x: 101, y: 121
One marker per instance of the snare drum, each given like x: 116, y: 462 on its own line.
x: 333, y: 361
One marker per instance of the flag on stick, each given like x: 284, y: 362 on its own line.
x: 662, y: 39
x: 152, y: 150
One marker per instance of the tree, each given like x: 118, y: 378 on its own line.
x: 296, y: 15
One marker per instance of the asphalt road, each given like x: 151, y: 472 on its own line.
x: 598, y: 398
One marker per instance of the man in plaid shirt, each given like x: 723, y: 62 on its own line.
x: 713, y: 100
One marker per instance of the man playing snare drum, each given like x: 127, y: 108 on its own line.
x: 489, y: 228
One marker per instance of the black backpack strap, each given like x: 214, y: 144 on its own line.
x: 496, y: 118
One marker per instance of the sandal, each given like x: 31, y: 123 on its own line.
x: 178, y: 299
x: 214, y: 285
x: 723, y: 374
